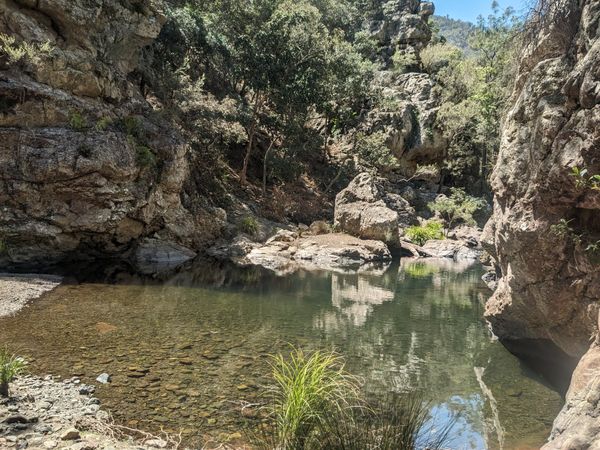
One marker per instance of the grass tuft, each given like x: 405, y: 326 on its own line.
x: 10, y: 367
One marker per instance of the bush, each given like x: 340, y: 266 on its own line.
x: 24, y: 51
x: 10, y: 367
x: 458, y: 207
x: 420, y: 234
x: 77, y: 121
x: 145, y: 157
x: 249, y: 225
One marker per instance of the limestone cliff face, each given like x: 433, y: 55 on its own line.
x: 550, y: 285
x: 86, y: 167
x: 407, y: 117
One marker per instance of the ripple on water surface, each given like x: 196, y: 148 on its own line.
x: 190, y: 353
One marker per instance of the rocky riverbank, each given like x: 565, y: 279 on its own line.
x: 17, y: 290
x: 47, y: 413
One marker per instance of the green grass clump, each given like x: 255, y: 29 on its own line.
x: 10, y: 367
x: 308, y: 388
x: 399, y: 422
x: 77, y: 121
x: 317, y: 405
x: 103, y: 123
x: 420, y: 234
x: 249, y: 225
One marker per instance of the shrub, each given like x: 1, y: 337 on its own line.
x: 249, y: 225
x: 373, y: 150
x: 145, y: 157
x: 420, y: 234
x: 10, y: 367
x: 77, y: 121
x: 309, y: 387
x: 24, y: 51
x: 458, y: 207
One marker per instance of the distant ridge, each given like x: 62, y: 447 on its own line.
x: 455, y: 31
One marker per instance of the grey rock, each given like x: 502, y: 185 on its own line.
x: 103, y: 378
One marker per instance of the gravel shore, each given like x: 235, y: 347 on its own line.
x: 17, y: 290
x: 51, y: 414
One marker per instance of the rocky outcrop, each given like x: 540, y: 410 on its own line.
x: 86, y: 168
x: 287, y: 252
x: 369, y: 210
x: 407, y: 117
x: 546, y: 220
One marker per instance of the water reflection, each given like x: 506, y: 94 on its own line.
x: 204, y: 335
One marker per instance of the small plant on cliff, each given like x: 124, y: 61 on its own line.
x: 11, y: 366
x: 103, y: 123
x: 458, y: 207
x: 22, y: 51
x: 583, y: 180
x: 145, y: 157
x: 420, y: 234
x: 249, y: 225
x: 77, y: 121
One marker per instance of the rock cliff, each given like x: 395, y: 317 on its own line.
x: 87, y: 167
x: 546, y: 218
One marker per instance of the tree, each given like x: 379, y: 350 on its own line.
x: 458, y: 207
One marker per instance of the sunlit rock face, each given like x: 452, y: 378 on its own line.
x: 545, y: 218
x: 85, y: 169
x: 407, y: 118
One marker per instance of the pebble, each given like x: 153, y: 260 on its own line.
x: 72, y: 434
x: 103, y: 378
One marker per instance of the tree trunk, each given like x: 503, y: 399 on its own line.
x: 265, y: 159
x: 251, y: 134
x: 4, y: 389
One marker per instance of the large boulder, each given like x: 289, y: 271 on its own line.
x: 366, y: 210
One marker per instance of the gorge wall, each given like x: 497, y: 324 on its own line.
x: 546, y: 219
x: 90, y: 164
x: 87, y: 167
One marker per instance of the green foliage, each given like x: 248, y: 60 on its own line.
x: 309, y: 387
x: 18, y: 52
x: 145, y: 157
x: 249, y: 225
x: 583, y: 180
x: 474, y: 87
x: 77, y: 121
x: 11, y: 366
x: 405, y: 61
x: 103, y: 123
x: 458, y: 207
x: 373, y: 151
x: 420, y: 234
x: 564, y: 229
x: 399, y: 422
x: 317, y: 405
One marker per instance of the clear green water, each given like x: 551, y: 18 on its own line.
x: 187, y: 352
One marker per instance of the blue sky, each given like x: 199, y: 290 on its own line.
x: 470, y: 9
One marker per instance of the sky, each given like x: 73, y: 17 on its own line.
x: 470, y: 9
